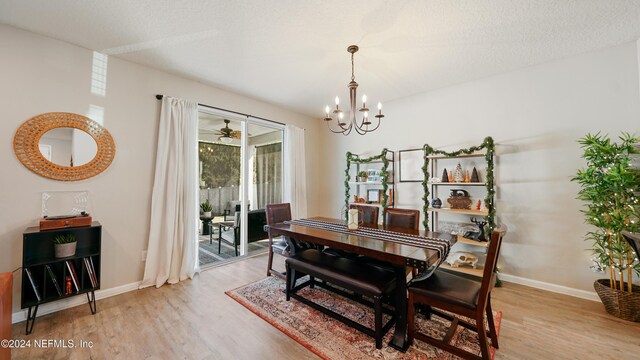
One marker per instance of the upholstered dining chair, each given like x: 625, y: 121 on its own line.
x: 634, y: 241
x: 367, y: 215
x: 399, y: 219
x: 277, y: 213
x: 461, y: 295
x: 402, y: 218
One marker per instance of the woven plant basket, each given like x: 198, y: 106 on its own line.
x: 459, y: 202
x: 619, y: 303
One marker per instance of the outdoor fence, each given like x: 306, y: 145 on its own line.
x: 220, y: 198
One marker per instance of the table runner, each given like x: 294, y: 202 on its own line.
x: 442, y: 246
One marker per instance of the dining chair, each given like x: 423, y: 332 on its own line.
x: 402, y: 218
x: 367, y: 215
x: 462, y: 295
x: 634, y: 241
x: 398, y: 219
x: 277, y: 213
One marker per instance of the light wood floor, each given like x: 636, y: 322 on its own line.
x: 196, y: 320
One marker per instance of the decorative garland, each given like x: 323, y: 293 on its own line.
x: 355, y: 158
x: 489, y: 146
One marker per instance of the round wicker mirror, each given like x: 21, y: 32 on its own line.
x: 28, y: 148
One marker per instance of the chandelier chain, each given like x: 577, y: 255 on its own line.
x: 353, y: 77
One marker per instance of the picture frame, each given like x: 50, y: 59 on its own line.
x: 410, y: 165
x: 374, y: 196
x: 374, y: 172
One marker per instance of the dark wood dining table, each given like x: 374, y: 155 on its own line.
x: 399, y: 256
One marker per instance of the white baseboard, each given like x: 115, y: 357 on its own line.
x: 583, y: 294
x: 103, y: 294
x: 74, y: 301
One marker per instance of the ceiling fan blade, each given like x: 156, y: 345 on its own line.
x: 216, y: 132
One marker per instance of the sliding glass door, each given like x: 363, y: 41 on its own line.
x: 240, y: 172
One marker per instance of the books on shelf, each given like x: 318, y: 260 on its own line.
x: 53, y: 279
x: 93, y: 271
x: 88, y: 264
x: 33, y: 284
x: 73, y: 274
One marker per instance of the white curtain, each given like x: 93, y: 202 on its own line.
x: 253, y: 187
x: 294, y: 172
x: 172, y: 253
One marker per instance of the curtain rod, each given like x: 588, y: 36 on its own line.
x: 159, y: 97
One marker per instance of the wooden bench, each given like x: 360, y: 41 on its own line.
x: 361, y: 278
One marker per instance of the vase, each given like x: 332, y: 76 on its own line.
x: 65, y: 250
x: 207, y: 214
x: 619, y: 303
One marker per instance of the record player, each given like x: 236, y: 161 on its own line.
x: 65, y: 209
x: 65, y: 221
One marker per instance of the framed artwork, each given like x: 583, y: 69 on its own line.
x: 411, y: 162
x: 374, y: 196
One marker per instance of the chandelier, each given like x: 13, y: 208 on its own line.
x: 363, y: 125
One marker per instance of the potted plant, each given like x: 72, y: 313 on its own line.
x: 362, y: 176
x: 609, y: 186
x: 206, y: 208
x: 64, y: 245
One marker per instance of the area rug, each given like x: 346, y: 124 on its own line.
x: 208, y: 253
x: 331, y: 339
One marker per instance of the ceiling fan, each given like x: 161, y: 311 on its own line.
x: 227, y: 134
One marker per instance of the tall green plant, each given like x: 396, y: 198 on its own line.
x: 610, y: 188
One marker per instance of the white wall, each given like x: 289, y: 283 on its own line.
x: 535, y: 115
x: 41, y: 75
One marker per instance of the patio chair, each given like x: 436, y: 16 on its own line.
x: 256, y: 220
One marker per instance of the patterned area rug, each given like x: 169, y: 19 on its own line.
x: 208, y: 253
x: 331, y: 339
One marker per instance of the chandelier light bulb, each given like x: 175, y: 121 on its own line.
x: 337, y: 101
x: 341, y: 115
x: 364, y: 99
x: 327, y: 109
x: 379, y: 106
x: 366, y: 114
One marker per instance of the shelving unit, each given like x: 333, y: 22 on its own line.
x: 464, y: 269
x: 461, y: 211
x: 478, y: 190
x: 464, y: 240
x: 42, y: 271
x: 360, y: 187
x: 366, y: 182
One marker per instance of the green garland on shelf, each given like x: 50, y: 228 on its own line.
x: 355, y: 158
x: 489, y: 146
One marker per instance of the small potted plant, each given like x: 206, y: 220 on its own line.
x: 206, y: 208
x: 64, y: 245
x: 362, y: 176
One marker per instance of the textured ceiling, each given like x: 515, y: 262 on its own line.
x: 293, y: 53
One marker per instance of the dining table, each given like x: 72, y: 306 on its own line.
x: 400, y: 248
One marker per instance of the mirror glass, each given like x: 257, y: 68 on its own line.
x: 67, y: 146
